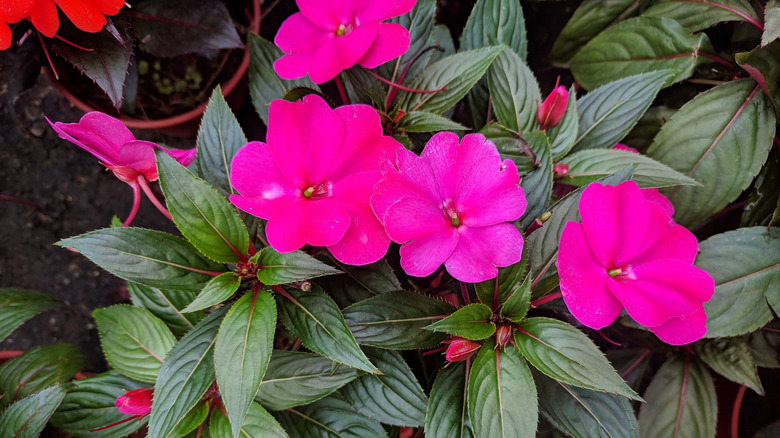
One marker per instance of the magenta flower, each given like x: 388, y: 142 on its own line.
x: 627, y: 253
x: 136, y: 402
x: 453, y: 204
x: 314, y: 177
x: 131, y: 160
x: 550, y: 112
x: 652, y: 195
x: 327, y: 37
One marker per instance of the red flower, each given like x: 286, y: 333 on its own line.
x: 553, y: 108
x: 136, y: 402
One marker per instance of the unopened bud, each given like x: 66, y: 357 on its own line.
x: 136, y: 402
x: 461, y: 349
x: 560, y: 170
x: 503, y: 335
x: 553, y: 108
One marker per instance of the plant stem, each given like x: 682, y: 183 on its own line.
x: 136, y: 204
x: 735, y: 411
x: 340, y: 86
x: 148, y: 190
x: 465, y: 291
x: 545, y: 299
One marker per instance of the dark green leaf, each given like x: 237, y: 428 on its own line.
x: 166, y: 305
x: 681, y: 397
x: 419, y: 22
x: 730, y: 357
x: 258, y: 424
x: 631, y: 363
x: 184, y: 377
x: 219, y: 289
x: 315, y: 319
x: 514, y: 91
x: 496, y: 291
x: 133, y: 340
x: 565, y: 354
x: 471, y: 322
x: 280, y: 268
x: 392, y: 397
x: 362, y: 87
x: 509, y: 146
x: 447, y: 415
x: 563, y: 136
x: 771, y: 22
x: 720, y: 138
x: 149, y: 257
x: 764, y: 346
x: 219, y: 139
x: 695, y: 16
x: 361, y: 282
x: 19, y: 305
x: 745, y: 264
x: 192, y: 420
x: 395, y: 320
x: 516, y: 306
x: 296, y: 378
x: 329, y: 418
x: 537, y: 185
x: 27, y: 417
x: 501, y: 394
x: 764, y: 197
x: 419, y: 121
x: 608, y: 113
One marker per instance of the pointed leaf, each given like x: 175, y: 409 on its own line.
x: 564, y: 353
x: 771, y: 22
x: 329, y: 418
x: 516, y: 306
x: 695, y: 16
x: 764, y: 347
x: 505, y: 284
x: 317, y: 321
x: 563, y: 136
x: 538, y: 184
x: 515, y: 92
x: 447, y: 415
x: 133, y: 340
x: 509, y: 146
x: 730, y: 357
x: 501, y: 394
x: 166, y: 305
x: 359, y: 283
x: 587, y: 166
x: 149, y: 257
x: 258, y: 424
x: 242, y: 351
x: 19, y: 305
x: 280, y: 268
x: 720, y: 138
x: 764, y: 196
x: 392, y: 397
x: 27, y: 417
x: 420, y: 121
x: 219, y: 289
x: 194, y: 418
x: 681, y: 397
x: 471, y: 322
x: 419, y: 22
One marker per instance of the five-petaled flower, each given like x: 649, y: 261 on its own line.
x: 326, y: 37
x: 131, y: 160
x: 314, y: 176
x: 627, y: 253
x: 453, y: 204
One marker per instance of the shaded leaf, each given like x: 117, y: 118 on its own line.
x: 471, y: 322
x: 514, y: 91
x: 166, y: 305
x: 537, y: 184
x: 563, y: 136
x: 329, y: 418
x: 19, y: 305
x: 509, y: 146
x: 419, y: 22
x: 258, y: 424
x: 764, y: 198
x: 420, y: 121
x: 27, y: 417
x: 505, y: 284
x: 279, y: 268
x: 587, y: 166
x: 695, y: 16
x: 447, y: 415
x: 361, y: 282
x: 771, y: 22
x: 730, y: 357
x: 516, y: 306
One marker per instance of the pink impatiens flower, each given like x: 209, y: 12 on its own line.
x: 326, y: 37
x: 453, y: 204
x: 314, y: 176
x: 131, y: 160
x: 628, y: 254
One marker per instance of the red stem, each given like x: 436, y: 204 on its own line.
x: 136, y: 202
x: 48, y: 57
x: 340, y: 86
x: 71, y: 43
x: 635, y: 364
x: 735, y: 411
x: 148, y: 190
x: 545, y: 299
x: 465, y: 291
x: 21, y: 201
x: 719, y: 60
x: 399, y: 86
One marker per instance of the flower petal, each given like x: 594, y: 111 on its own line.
x: 411, y: 217
x: 667, y: 240
x: 139, y: 155
x: 656, y: 197
x: 99, y: 134
x: 364, y: 148
x: 482, y: 250
x: 83, y: 14
x: 340, y: 52
x: 681, y: 330
x: 392, y: 40
x: 583, y: 280
x: 423, y: 255
x: 318, y: 223
x: 365, y: 241
x: 298, y: 35
x: 255, y: 175
x: 6, y: 36
x: 43, y: 15
x: 328, y: 14
x: 378, y: 10
x: 489, y: 193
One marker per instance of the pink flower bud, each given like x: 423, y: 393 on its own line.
x: 136, y: 402
x: 503, y: 335
x: 553, y: 108
x: 560, y: 170
x: 461, y: 349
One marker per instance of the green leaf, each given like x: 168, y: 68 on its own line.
x: 92, y: 404
x: 280, y: 268
x: 764, y: 346
x: 695, y: 16
x: 27, y: 417
x: 608, y: 113
x: 219, y: 289
x: 184, y: 377
x: 329, y: 418
x: 219, y: 139
x: 720, y: 138
x: 456, y: 73
x: 590, y: 18
x: 419, y: 22
x: 509, y: 146
x: 587, y: 166
x: 515, y: 92
x: 242, y: 351
x: 149, y: 257
x: 295, y: 378
x: 730, y: 357
x: 564, y: 353
x: 192, y: 420
x: 392, y: 397
x: 681, y: 397
x: 19, y: 305
x: 133, y: 340
x: 471, y: 322
x: 538, y: 184
x: 563, y: 136
x: 420, y: 121
x: 501, y: 394
x: 264, y: 84
x: 166, y: 305
x: 638, y: 45
x: 258, y: 424
x: 764, y: 197
x: 771, y: 22
x: 745, y: 264
x: 38, y: 368
x: 631, y: 363
x: 447, y: 415
x: 361, y: 282
x: 516, y: 307
x: 315, y: 319
x: 201, y: 213
x: 584, y: 412
x: 362, y: 87
x: 505, y: 284
x: 395, y: 320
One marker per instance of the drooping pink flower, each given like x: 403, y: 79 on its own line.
x: 453, y: 204
x: 551, y: 111
x: 627, y: 253
x: 314, y: 176
x: 136, y: 402
x: 652, y: 195
x: 131, y: 160
x: 326, y: 37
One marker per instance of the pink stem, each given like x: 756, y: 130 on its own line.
x: 719, y: 60
x: 635, y: 364
x: 148, y: 190
x: 545, y: 299
x: 735, y: 411
x: 73, y: 44
x: 465, y: 291
x: 48, y: 57
x: 343, y: 93
x: 399, y: 86
x: 136, y: 202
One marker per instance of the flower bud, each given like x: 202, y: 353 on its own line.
x: 461, y: 349
x: 503, y: 335
x: 136, y: 402
x: 560, y: 170
x: 553, y: 108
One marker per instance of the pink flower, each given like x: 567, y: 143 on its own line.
x: 452, y: 205
x: 131, y: 160
x: 627, y: 253
x: 314, y: 177
x: 136, y: 402
x: 553, y: 108
x: 652, y: 195
x: 327, y: 37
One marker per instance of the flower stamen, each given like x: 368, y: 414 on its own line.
x: 615, y: 272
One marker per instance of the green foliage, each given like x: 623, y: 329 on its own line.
x: 27, y: 417
x: 167, y: 305
x: 447, y: 413
x: 279, y: 268
x: 538, y: 184
x: 19, y: 305
x: 587, y: 166
x: 470, y: 322
x: 219, y: 289
x: 731, y: 358
x: 330, y: 417
x: 695, y: 16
